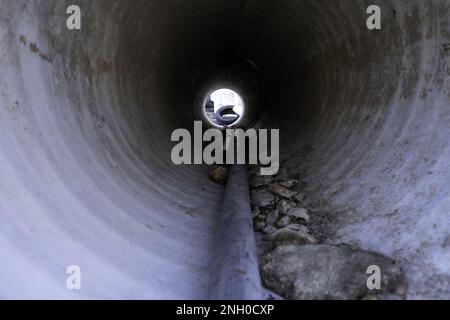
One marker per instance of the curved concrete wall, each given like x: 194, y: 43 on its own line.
x: 86, y: 118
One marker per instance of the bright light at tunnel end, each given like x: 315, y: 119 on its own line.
x: 223, y: 107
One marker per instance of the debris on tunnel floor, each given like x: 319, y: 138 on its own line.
x: 278, y: 211
x: 326, y: 272
x: 294, y: 260
x: 219, y: 175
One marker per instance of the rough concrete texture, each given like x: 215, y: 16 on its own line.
x: 86, y: 118
x: 321, y: 272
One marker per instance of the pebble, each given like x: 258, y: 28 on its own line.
x: 299, y: 213
x: 284, y: 206
x: 299, y: 198
x: 272, y: 217
x: 281, y: 191
x: 289, y: 183
x: 283, y: 222
x: 256, y: 212
x: 219, y: 175
x: 260, y: 181
x: 262, y: 198
x: 291, y: 235
x: 269, y: 230
x: 261, y: 218
x: 260, y: 225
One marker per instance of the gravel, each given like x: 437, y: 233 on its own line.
x: 295, y: 264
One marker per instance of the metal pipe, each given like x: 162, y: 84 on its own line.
x: 235, y: 273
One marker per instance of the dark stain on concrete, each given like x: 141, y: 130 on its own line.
x: 97, y: 68
x: 392, y: 213
x: 446, y: 243
x: 35, y: 49
x: 88, y: 69
x: 103, y: 66
x: 447, y: 47
x: 23, y: 40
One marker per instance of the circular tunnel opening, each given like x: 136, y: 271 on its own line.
x: 224, y: 107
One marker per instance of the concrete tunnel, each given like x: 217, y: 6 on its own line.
x: 86, y: 117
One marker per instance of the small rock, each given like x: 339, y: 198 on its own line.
x: 324, y: 272
x: 262, y: 198
x: 292, y: 235
x: 299, y: 198
x: 283, y: 222
x: 260, y: 181
x: 299, y: 213
x: 269, y: 230
x: 260, y: 225
x: 272, y: 217
x: 281, y: 191
x: 256, y: 212
x: 284, y: 206
x: 219, y: 175
x: 261, y: 218
x: 289, y: 183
